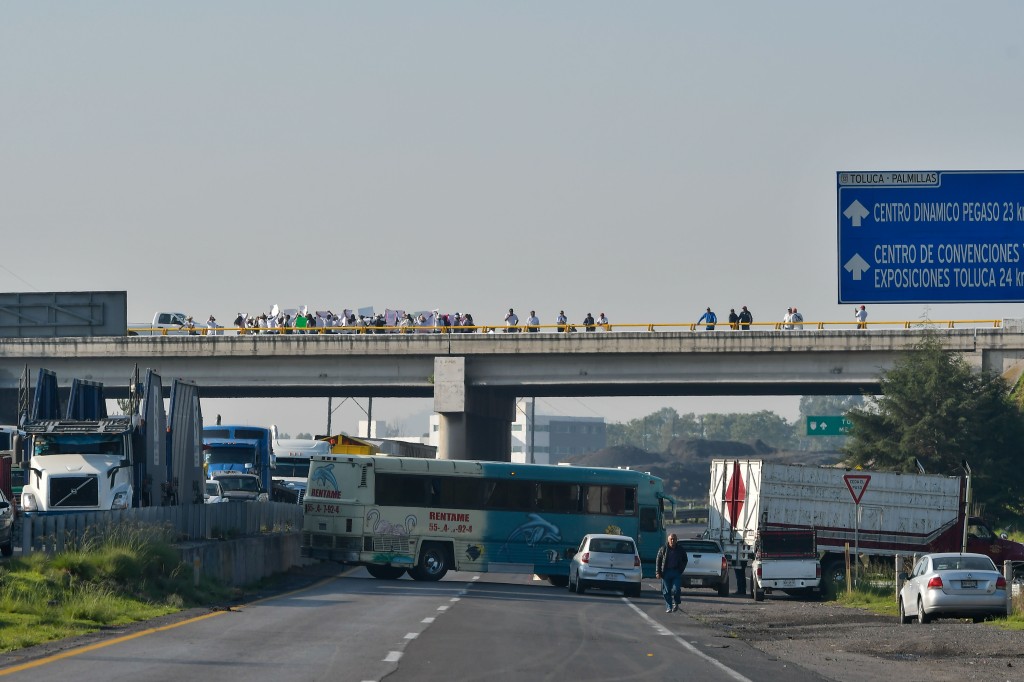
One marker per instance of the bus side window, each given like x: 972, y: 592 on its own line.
x: 516, y: 495
x: 400, y: 490
x: 558, y: 497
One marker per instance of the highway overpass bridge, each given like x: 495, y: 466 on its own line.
x: 476, y: 378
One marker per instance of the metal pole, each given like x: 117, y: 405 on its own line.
x: 533, y: 414
x: 856, y: 545
x: 967, y: 504
x: 329, y: 399
x: 369, y: 415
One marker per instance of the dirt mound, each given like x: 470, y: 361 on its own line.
x: 699, y: 449
x: 617, y: 456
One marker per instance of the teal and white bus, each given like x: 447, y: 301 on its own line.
x: 425, y: 516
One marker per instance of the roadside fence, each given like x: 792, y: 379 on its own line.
x: 189, y: 522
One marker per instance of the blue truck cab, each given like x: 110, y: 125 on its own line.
x: 243, y: 449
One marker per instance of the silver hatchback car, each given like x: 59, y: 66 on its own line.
x: 952, y: 585
x: 608, y: 562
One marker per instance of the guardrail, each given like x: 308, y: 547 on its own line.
x: 575, y: 328
x: 52, y: 533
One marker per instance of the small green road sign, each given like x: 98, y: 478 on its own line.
x: 832, y: 425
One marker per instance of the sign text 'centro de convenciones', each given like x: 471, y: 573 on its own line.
x: 931, y: 236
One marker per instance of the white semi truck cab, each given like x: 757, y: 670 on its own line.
x: 77, y: 466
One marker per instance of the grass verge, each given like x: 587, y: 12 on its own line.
x: 129, y: 575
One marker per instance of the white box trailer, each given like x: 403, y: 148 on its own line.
x: 880, y: 514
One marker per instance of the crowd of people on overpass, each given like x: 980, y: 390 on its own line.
x: 365, y: 320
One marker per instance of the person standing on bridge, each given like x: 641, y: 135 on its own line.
x: 798, y: 319
x: 563, y: 321
x: 511, y: 321
x: 588, y: 322
x: 533, y: 322
x: 669, y: 566
x: 861, y: 315
x: 602, y: 322
x: 733, y: 319
x: 787, y: 319
x: 745, y: 318
x: 710, y: 318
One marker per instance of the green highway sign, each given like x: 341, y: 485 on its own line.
x: 828, y: 426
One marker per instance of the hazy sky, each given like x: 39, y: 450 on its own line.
x: 642, y: 159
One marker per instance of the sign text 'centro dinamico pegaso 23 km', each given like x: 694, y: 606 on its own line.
x: 930, y: 236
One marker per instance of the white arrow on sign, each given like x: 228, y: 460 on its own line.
x: 856, y: 266
x: 856, y: 213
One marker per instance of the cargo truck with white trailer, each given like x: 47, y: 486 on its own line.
x: 879, y: 515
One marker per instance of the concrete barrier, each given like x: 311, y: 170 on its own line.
x: 242, y: 561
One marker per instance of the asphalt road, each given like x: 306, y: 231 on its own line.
x: 466, y: 627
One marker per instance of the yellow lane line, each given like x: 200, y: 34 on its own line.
x: 149, y: 631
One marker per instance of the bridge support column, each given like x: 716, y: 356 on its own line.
x: 475, y: 423
x: 9, y: 406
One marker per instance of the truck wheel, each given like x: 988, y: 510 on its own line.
x: 723, y: 587
x: 433, y: 563
x: 833, y: 578
x: 385, y: 572
x: 756, y: 592
x: 8, y: 549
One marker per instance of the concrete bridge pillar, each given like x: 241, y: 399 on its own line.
x: 474, y: 423
x: 9, y: 406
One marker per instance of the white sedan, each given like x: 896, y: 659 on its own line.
x: 607, y: 562
x: 952, y: 585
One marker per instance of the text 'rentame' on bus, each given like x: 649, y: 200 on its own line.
x: 395, y: 515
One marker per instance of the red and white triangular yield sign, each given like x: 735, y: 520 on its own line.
x: 857, y: 483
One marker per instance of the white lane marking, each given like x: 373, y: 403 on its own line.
x: 476, y: 577
x: 686, y: 645
x: 412, y: 635
x: 393, y: 657
x: 428, y: 620
x: 442, y: 608
x: 454, y: 599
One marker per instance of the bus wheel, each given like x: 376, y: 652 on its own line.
x: 433, y: 562
x: 385, y: 572
x: 559, y: 580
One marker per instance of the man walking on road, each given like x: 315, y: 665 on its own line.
x: 669, y: 566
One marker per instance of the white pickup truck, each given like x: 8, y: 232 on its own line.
x: 164, y: 324
x: 706, y: 566
x: 787, y: 561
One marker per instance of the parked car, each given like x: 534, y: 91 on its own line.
x: 213, y: 493
x: 952, y: 585
x: 706, y: 566
x: 608, y: 562
x: 239, y: 487
x: 7, y: 513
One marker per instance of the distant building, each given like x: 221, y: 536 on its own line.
x: 552, y: 437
